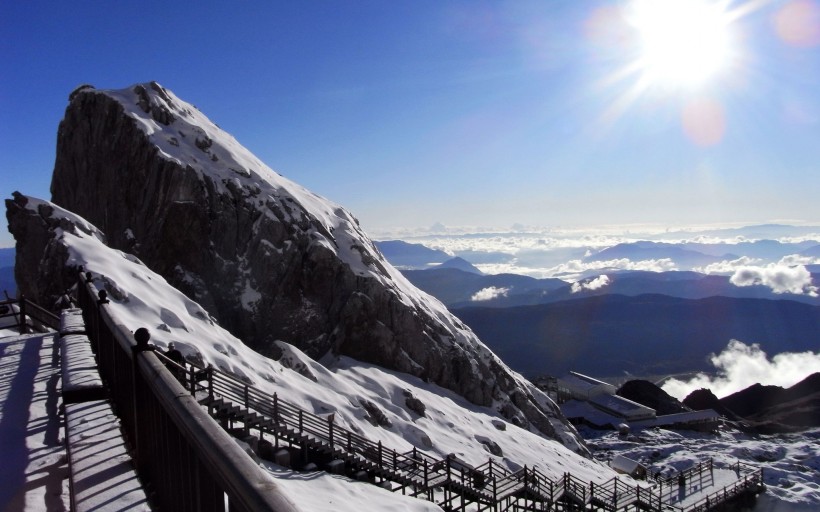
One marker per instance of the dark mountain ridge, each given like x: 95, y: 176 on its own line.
x: 765, y: 408
x: 408, y: 255
x: 456, y: 288
x: 650, y: 395
x: 647, y: 334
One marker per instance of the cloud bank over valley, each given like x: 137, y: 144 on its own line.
x: 778, y: 257
x: 740, y: 366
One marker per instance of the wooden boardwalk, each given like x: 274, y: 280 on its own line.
x: 451, y: 483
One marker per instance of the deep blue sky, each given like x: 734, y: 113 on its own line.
x: 462, y: 112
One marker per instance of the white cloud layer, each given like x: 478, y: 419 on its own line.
x: 799, y: 259
x: 592, y: 284
x: 489, y: 293
x: 727, y: 267
x: 740, y: 366
x: 574, y: 270
x: 780, y: 278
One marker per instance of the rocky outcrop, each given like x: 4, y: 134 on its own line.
x: 268, y: 258
x: 41, y: 267
x: 703, y: 398
x: 650, y: 395
x: 773, y: 409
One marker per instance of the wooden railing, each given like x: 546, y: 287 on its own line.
x: 185, y: 460
x: 448, y: 481
x: 751, y: 479
x: 27, y: 316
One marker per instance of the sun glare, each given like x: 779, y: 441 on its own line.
x: 681, y: 43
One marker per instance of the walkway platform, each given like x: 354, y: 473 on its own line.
x: 34, y: 473
x: 34, y: 470
x: 102, y: 474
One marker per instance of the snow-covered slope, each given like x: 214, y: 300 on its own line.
x: 790, y: 462
x: 340, y: 385
x: 269, y: 259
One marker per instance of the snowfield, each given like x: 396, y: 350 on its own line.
x: 790, y: 462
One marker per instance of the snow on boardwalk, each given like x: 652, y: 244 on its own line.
x: 104, y: 478
x: 33, y: 471
x: 698, y: 486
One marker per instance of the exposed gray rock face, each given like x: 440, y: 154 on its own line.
x: 414, y: 404
x: 269, y: 259
x: 40, y: 267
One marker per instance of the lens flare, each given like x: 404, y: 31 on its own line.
x: 704, y: 121
x: 798, y: 23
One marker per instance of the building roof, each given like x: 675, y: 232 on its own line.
x: 621, y: 405
x: 625, y: 464
x: 583, y: 383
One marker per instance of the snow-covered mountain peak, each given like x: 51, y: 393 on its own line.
x: 269, y: 259
x: 184, y: 135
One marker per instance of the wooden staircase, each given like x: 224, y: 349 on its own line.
x: 450, y: 482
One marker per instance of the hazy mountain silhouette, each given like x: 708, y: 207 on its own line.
x: 456, y: 287
x: 461, y: 264
x: 7, y: 273
x: 406, y: 255
x: 640, y: 251
x: 647, y: 334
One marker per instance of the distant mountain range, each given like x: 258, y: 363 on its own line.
x: 689, y: 255
x: 456, y: 287
x: 675, y: 256
x: 614, y: 321
x: 642, y: 335
x: 7, y: 273
x: 402, y: 254
x: 681, y: 254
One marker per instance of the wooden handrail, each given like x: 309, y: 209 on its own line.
x: 30, y: 309
x: 157, y: 412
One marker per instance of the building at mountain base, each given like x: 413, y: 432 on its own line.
x: 589, y: 401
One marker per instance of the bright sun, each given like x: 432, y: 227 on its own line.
x: 682, y: 43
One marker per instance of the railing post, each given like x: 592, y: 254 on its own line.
x: 210, y: 370
x: 330, y: 429
x: 141, y: 421
x: 427, y: 479
x: 380, y: 453
x: 615, y: 493
x: 276, y: 408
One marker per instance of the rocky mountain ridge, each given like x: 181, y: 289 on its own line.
x: 269, y: 259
